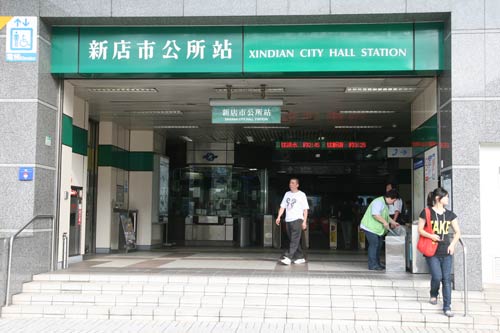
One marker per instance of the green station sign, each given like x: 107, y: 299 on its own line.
x: 246, y: 51
x: 246, y: 115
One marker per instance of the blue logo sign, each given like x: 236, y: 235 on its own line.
x: 21, y: 36
x: 25, y: 173
x: 418, y: 164
x: 210, y: 157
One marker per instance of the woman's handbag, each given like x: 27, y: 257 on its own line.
x: 426, y: 245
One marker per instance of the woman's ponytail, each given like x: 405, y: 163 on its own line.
x: 430, y: 199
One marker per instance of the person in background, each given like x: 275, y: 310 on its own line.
x: 397, y: 207
x: 346, y: 218
x: 375, y: 223
x: 440, y: 263
x: 296, y: 206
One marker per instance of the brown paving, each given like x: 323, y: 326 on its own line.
x: 150, y: 264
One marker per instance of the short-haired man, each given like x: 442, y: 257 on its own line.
x: 396, y: 208
x: 296, y: 206
x: 375, y: 224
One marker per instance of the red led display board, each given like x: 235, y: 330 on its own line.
x: 314, y: 145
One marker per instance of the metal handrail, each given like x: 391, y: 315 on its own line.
x: 11, y: 246
x: 466, y: 298
x: 65, y: 250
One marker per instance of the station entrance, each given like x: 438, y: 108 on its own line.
x: 159, y: 151
x: 188, y: 136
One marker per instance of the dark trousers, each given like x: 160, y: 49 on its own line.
x: 374, y: 247
x: 294, y: 232
x: 440, y: 268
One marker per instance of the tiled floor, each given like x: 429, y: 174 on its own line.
x: 105, y: 326
x: 224, y: 260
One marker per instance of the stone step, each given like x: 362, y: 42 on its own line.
x: 375, y: 281
x: 276, y: 314
x: 311, y: 301
x: 217, y: 289
x: 375, y: 301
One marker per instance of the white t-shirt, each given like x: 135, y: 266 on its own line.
x: 295, y: 203
x: 397, y: 206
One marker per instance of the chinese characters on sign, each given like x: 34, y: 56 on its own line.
x: 145, y: 50
x: 246, y: 115
x: 160, y: 50
x: 297, y: 145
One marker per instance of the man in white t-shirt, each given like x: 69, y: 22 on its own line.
x: 296, y: 206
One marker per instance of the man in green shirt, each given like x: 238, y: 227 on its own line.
x: 375, y: 224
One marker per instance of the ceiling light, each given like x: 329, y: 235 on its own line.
x: 177, y: 126
x: 281, y: 171
x: 124, y: 90
x: 369, y: 155
x: 266, y: 127
x: 317, y: 155
x: 359, y: 126
x: 366, y: 112
x: 252, y: 169
x: 376, y: 148
x: 250, y: 90
x: 186, y: 138
x: 162, y: 112
x: 389, y: 138
x: 246, y: 102
x: 380, y: 89
x: 249, y: 139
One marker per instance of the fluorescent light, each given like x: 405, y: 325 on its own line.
x: 369, y: 155
x: 124, y: 90
x: 359, y: 126
x: 389, y: 138
x: 250, y: 90
x: 246, y: 102
x: 380, y: 89
x: 249, y: 138
x: 177, y: 126
x: 252, y: 169
x: 366, y: 112
x: 266, y: 127
x: 376, y: 148
x: 162, y: 112
x: 186, y: 138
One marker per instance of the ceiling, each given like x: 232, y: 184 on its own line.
x: 310, y: 107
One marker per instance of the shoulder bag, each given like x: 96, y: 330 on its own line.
x: 426, y: 245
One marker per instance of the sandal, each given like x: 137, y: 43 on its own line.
x: 433, y: 300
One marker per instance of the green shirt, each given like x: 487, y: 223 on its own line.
x: 368, y: 222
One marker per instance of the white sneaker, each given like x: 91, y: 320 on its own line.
x: 286, y: 261
x: 299, y: 261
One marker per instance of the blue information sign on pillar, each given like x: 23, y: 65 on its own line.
x: 25, y: 173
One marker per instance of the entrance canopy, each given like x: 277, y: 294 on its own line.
x: 312, y: 108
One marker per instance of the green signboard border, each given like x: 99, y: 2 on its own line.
x: 427, y: 39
